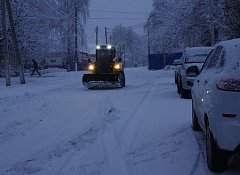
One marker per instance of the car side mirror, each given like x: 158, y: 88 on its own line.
x: 177, y: 62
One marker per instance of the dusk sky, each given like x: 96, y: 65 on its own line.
x: 128, y: 13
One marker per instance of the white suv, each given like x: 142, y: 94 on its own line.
x: 192, y: 60
x: 216, y: 103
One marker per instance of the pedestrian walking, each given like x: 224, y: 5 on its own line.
x: 35, y: 68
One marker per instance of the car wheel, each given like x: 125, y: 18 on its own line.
x: 217, y: 159
x: 184, y: 93
x: 178, y: 86
x: 195, y: 124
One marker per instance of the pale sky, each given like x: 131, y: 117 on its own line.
x: 136, y: 12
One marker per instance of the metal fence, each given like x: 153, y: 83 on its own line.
x: 159, y: 61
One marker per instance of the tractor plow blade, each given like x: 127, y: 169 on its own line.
x: 101, y: 80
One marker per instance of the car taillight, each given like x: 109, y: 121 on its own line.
x: 229, y: 85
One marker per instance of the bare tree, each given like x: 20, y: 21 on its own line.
x: 175, y: 24
x: 130, y: 45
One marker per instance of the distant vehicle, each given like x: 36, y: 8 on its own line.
x: 107, y: 70
x: 192, y: 59
x: 216, y: 103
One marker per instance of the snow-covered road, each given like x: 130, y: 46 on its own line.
x: 55, y: 126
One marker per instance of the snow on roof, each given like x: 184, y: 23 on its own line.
x: 193, y: 50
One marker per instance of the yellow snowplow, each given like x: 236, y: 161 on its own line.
x: 107, y: 71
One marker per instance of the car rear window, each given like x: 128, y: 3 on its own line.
x: 217, y: 57
x: 196, y: 58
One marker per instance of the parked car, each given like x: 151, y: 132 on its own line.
x: 192, y: 59
x: 216, y: 103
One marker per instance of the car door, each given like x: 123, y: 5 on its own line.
x: 198, y: 86
x: 204, y: 82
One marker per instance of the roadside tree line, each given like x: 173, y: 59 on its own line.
x: 174, y: 25
x: 48, y: 25
x: 130, y: 44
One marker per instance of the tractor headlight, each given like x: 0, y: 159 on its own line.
x: 109, y: 47
x: 91, y: 67
x: 117, y: 66
x: 98, y: 47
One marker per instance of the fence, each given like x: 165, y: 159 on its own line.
x: 159, y: 61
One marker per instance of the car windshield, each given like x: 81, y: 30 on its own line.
x: 196, y: 58
x: 105, y: 54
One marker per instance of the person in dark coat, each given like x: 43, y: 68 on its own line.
x: 35, y: 68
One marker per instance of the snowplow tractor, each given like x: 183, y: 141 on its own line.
x: 107, y: 71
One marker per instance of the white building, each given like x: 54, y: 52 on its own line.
x: 60, y: 59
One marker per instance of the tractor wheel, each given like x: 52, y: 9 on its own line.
x: 124, y: 82
x: 122, y: 79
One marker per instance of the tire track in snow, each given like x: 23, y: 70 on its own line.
x: 79, y: 142
x: 113, y: 143
x: 106, y: 117
x: 114, y: 155
x: 98, y: 126
x: 163, y: 148
x: 194, y: 168
x: 110, y: 145
x: 137, y: 114
x: 130, y: 126
x: 39, y: 160
x: 201, y: 156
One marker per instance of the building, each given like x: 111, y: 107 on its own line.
x: 62, y: 60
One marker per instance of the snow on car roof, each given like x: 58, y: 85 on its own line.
x: 197, y: 54
x: 193, y: 50
x: 232, y: 52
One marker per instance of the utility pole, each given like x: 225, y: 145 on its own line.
x: 97, y: 35
x: 76, y: 37
x: 149, y: 48
x: 96, y: 52
x: 15, y: 42
x: 4, y: 41
x: 69, y: 56
x: 106, y: 35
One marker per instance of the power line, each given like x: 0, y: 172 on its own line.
x: 137, y: 26
x: 126, y: 12
x: 117, y: 18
